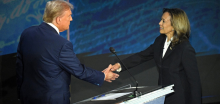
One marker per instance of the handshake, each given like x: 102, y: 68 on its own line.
x: 109, y: 74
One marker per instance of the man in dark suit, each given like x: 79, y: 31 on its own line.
x: 45, y: 60
x: 174, y: 57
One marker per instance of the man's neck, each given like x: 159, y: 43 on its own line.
x: 54, y: 26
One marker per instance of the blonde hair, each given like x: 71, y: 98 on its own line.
x: 180, y: 23
x: 54, y: 9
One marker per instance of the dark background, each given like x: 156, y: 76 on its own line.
x: 127, y: 25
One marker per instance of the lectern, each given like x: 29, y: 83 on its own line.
x: 124, y: 95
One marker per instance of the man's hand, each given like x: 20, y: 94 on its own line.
x: 109, y: 75
x: 115, y: 67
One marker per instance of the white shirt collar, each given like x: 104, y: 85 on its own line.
x: 166, y: 45
x: 169, y: 41
x: 52, y: 25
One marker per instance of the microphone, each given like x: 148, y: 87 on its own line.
x: 136, y: 93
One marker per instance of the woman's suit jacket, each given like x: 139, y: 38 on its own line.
x: 45, y: 62
x: 178, y: 67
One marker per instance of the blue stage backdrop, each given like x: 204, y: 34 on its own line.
x: 127, y: 25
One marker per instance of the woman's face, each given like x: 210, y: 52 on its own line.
x: 165, y: 25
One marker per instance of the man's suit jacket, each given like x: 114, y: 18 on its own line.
x: 45, y: 62
x: 178, y: 67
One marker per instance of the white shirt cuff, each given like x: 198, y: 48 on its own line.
x: 119, y: 69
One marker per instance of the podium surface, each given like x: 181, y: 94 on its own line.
x: 124, y: 95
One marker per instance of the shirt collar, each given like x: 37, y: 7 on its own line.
x: 52, y: 25
x: 169, y: 41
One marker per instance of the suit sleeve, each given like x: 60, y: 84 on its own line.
x: 138, y: 58
x: 71, y: 64
x: 190, y: 65
x: 19, y: 70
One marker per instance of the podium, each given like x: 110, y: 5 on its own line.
x: 124, y: 95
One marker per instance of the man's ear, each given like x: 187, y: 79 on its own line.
x: 58, y: 20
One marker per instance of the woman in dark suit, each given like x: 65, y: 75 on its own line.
x: 174, y: 57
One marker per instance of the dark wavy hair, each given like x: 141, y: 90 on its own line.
x: 181, y: 25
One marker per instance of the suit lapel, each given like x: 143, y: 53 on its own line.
x: 169, y: 51
x: 161, y: 47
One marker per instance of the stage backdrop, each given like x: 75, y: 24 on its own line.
x: 127, y: 25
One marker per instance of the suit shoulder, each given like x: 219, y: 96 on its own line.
x: 186, y: 45
x: 61, y: 40
x: 28, y: 31
x: 160, y: 37
x: 29, y: 28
